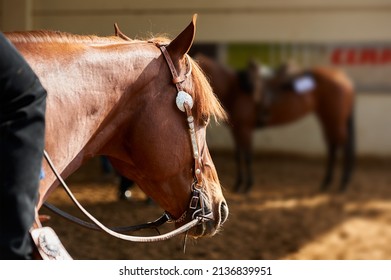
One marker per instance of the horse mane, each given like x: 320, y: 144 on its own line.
x: 45, y: 36
x: 208, y: 104
x: 49, y: 36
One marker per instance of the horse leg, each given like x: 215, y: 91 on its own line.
x: 239, y: 173
x: 248, y: 169
x: 244, y: 170
x: 349, y: 155
x: 243, y: 143
x: 332, y: 153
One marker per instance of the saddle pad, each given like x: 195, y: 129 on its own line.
x: 304, y: 84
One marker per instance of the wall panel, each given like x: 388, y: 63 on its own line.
x: 222, y: 21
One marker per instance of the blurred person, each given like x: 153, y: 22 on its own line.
x: 106, y: 165
x: 125, y: 185
x: 22, y: 128
x: 125, y: 193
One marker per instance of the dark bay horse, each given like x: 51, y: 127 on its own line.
x: 254, y: 101
x: 115, y: 97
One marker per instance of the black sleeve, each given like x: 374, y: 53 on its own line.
x: 22, y: 127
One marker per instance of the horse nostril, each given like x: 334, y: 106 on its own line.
x: 224, y: 212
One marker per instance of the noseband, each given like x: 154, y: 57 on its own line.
x: 197, y: 210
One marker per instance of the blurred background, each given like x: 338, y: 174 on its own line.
x: 285, y: 216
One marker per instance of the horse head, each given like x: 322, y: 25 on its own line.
x: 155, y: 148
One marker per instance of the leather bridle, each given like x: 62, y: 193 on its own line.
x: 184, y: 103
x: 197, y: 208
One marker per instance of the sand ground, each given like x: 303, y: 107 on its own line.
x: 283, y: 217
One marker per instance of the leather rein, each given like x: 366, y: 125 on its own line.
x: 199, y: 213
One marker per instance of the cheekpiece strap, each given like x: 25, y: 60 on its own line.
x: 175, y: 78
x: 187, y: 106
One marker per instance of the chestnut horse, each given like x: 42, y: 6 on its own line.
x: 115, y: 97
x: 254, y: 101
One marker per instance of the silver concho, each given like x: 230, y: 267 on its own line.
x: 49, y: 244
x: 183, y: 97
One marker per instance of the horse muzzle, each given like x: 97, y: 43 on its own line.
x: 210, y: 221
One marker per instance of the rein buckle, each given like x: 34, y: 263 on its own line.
x: 195, y: 199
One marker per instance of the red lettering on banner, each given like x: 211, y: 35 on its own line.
x: 368, y: 56
x: 360, y: 56
x: 350, y: 57
x: 385, y: 56
x: 336, y: 56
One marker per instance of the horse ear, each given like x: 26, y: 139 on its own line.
x: 119, y: 33
x: 183, y: 42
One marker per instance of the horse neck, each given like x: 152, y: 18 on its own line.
x: 84, y: 87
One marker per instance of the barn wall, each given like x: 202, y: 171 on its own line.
x: 224, y: 20
x: 16, y: 15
